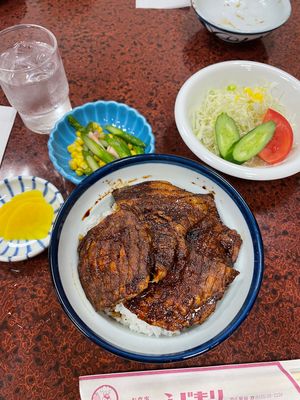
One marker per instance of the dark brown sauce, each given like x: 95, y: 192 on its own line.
x: 131, y: 180
x: 86, y: 214
x: 114, y: 185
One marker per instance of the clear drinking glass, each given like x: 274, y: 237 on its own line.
x: 32, y: 76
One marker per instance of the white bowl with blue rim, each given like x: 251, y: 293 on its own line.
x: 19, y: 250
x: 238, y: 21
x: 283, y: 86
x: 93, y: 198
x: 104, y: 113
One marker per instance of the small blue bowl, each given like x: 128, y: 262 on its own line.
x: 104, y: 113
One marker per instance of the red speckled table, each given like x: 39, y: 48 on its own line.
x: 140, y: 57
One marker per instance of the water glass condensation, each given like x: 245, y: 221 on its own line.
x: 32, y: 76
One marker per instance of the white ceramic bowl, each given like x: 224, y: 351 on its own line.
x: 242, y: 20
x: 19, y: 250
x: 243, y: 73
x: 104, y: 331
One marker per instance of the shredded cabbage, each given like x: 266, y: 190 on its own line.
x: 246, y: 105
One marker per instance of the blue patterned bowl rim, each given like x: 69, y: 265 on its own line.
x: 239, y: 32
x: 218, y: 180
x: 78, y: 179
x: 25, y: 249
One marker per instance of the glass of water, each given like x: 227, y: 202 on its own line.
x: 32, y: 76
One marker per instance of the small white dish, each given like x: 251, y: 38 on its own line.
x: 242, y: 20
x: 92, y: 199
x: 19, y: 250
x: 249, y: 74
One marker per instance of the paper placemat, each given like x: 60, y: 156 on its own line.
x: 7, y: 118
x: 258, y: 381
x: 162, y: 3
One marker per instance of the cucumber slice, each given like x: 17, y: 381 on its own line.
x: 226, y: 134
x: 253, y: 142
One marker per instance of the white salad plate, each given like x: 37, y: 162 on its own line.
x: 283, y: 87
x: 19, y: 250
x: 92, y: 200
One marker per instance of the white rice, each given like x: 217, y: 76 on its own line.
x: 127, y: 318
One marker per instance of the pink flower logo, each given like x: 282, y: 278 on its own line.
x: 105, y: 392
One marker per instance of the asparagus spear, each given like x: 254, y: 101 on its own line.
x: 97, y: 150
x: 76, y: 125
x: 91, y: 144
x: 138, y: 149
x: 118, y: 145
x: 90, y: 160
x: 124, y: 135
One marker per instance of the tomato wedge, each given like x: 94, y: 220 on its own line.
x: 281, y: 143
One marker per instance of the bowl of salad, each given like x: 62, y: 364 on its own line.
x: 241, y: 118
x: 96, y: 134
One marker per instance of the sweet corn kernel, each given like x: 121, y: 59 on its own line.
x: 71, y: 147
x: 133, y: 152
x: 73, y: 164
x: 101, y: 163
x: 129, y: 146
x: 78, y: 133
x: 74, y: 154
x: 79, y: 141
x: 79, y: 172
x: 254, y: 96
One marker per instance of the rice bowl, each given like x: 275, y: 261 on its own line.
x: 112, y: 335
x: 135, y: 324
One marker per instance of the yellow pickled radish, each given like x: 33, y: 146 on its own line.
x: 27, y: 216
x: 6, y: 209
x: 30, y: 194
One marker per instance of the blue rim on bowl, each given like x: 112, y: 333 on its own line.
x: 239, y: 32
x: 206, y: 22
x: 204, y: 171
x: 105, y: 113
x: 19, y: 250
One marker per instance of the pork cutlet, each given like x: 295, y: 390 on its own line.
x: 169, y: 213
x: 190, y: 291
x: 164, y: 253
x: 114, y: 259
